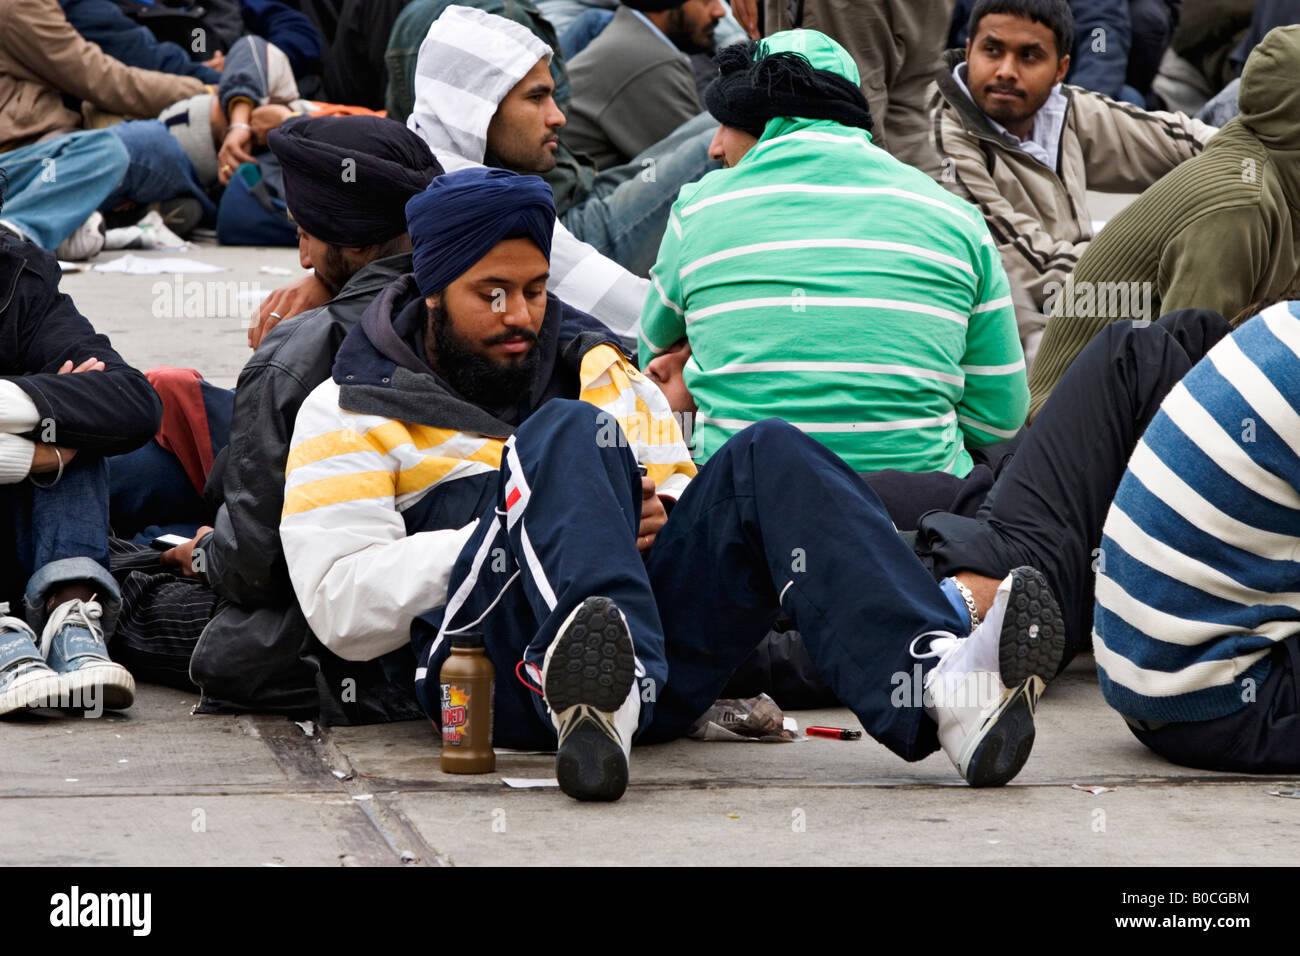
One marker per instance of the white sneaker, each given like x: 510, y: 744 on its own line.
x: 149, y: 233
x: 85, y: 243
x: 588, y: 680
x: 984, y: 688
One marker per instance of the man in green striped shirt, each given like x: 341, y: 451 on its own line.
x: 819, y: 280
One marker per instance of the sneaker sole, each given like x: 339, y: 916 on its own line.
x: 593, y: 666
x: 113, y: 683
x: 42, y: 688
x: 1033, y: 631
x: 1032, y: 645
x: 593, y: 661
x: 590, y: 764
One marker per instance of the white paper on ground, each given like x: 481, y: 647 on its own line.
x: 65, y: 266
x: 529, y: 783
x: 140, y: 266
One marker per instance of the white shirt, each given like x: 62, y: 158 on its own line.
x: 1045, y: 137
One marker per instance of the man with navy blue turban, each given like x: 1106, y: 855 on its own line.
x: 486, y: 465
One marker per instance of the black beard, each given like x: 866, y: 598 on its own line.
x: 477, y: 378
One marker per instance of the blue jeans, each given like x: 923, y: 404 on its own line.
x: 159, y: 168
x: 61, y: 536
x: 54, y: 186
x: 585, y: 28
x: 1223, y: 106
x: 626, y: 214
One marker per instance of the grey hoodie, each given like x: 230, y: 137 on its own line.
x: 457, y: 93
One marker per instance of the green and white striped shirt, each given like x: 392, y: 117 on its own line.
x: 825, y: 283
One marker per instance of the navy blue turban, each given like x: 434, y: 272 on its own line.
x: 347, y: 178
x: 462, y: 215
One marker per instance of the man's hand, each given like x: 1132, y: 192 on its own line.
x: 746, y: 14
x: 653, y: 516
x: 90, y: 365
x: 267, y: 118
x: 286, y: 302
x: 235, y: 149
x: 218, y: 62
x: 46, y: 459
x: 666, y: 372
x: 183, y: 556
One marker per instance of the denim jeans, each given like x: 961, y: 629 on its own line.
x: 627, y: 212
x: 584, y: 28
x: 54, y: 186
x: 159, y: 168
x: 60, y: 535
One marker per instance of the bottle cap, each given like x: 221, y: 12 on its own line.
x: 468, y: 639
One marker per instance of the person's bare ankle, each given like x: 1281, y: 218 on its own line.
x: 73, y: 591
x: 982, y: 589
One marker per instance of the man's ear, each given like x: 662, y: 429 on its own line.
x: 1062, y: 68
x: 434, y: 301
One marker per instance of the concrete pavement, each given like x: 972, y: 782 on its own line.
x: 155, y: 785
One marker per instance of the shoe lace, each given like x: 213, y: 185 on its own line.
x: 942, y: 643
x: 522, y: 668
x: 88, y: 613
x: 10, y: 623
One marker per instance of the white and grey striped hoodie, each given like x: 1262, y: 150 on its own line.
x: 468, y: 62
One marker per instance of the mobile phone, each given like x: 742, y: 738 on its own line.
x: 165, y: 542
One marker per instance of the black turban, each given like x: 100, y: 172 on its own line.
x: 462, y: 215
x: 749, y: 92
x: 347, y: 179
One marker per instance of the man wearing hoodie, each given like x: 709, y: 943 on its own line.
x: 446, y: 481
x: 1219, y: 232
x: 483, y: 96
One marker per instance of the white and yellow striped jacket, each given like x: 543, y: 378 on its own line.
x: 358, y: 484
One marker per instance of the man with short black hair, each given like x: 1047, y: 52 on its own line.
x: 634, y: 84
x: 1026, y: 149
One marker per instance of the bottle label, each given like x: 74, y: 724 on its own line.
x: 455, y: 715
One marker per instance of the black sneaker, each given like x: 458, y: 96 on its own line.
x: 588, y: 679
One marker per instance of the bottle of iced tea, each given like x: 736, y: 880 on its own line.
x: 467, y: 679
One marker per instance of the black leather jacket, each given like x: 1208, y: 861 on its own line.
x: 257, y: 653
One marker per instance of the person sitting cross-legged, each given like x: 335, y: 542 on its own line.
x: 66, y: 398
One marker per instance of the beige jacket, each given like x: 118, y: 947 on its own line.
x: 1039, y: 216
x: 43, y: 56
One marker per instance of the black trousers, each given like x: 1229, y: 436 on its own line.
x: 1050, y: 501
x: 1261, y: 737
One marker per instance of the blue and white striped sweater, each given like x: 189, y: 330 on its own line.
x: 1200, y: 560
